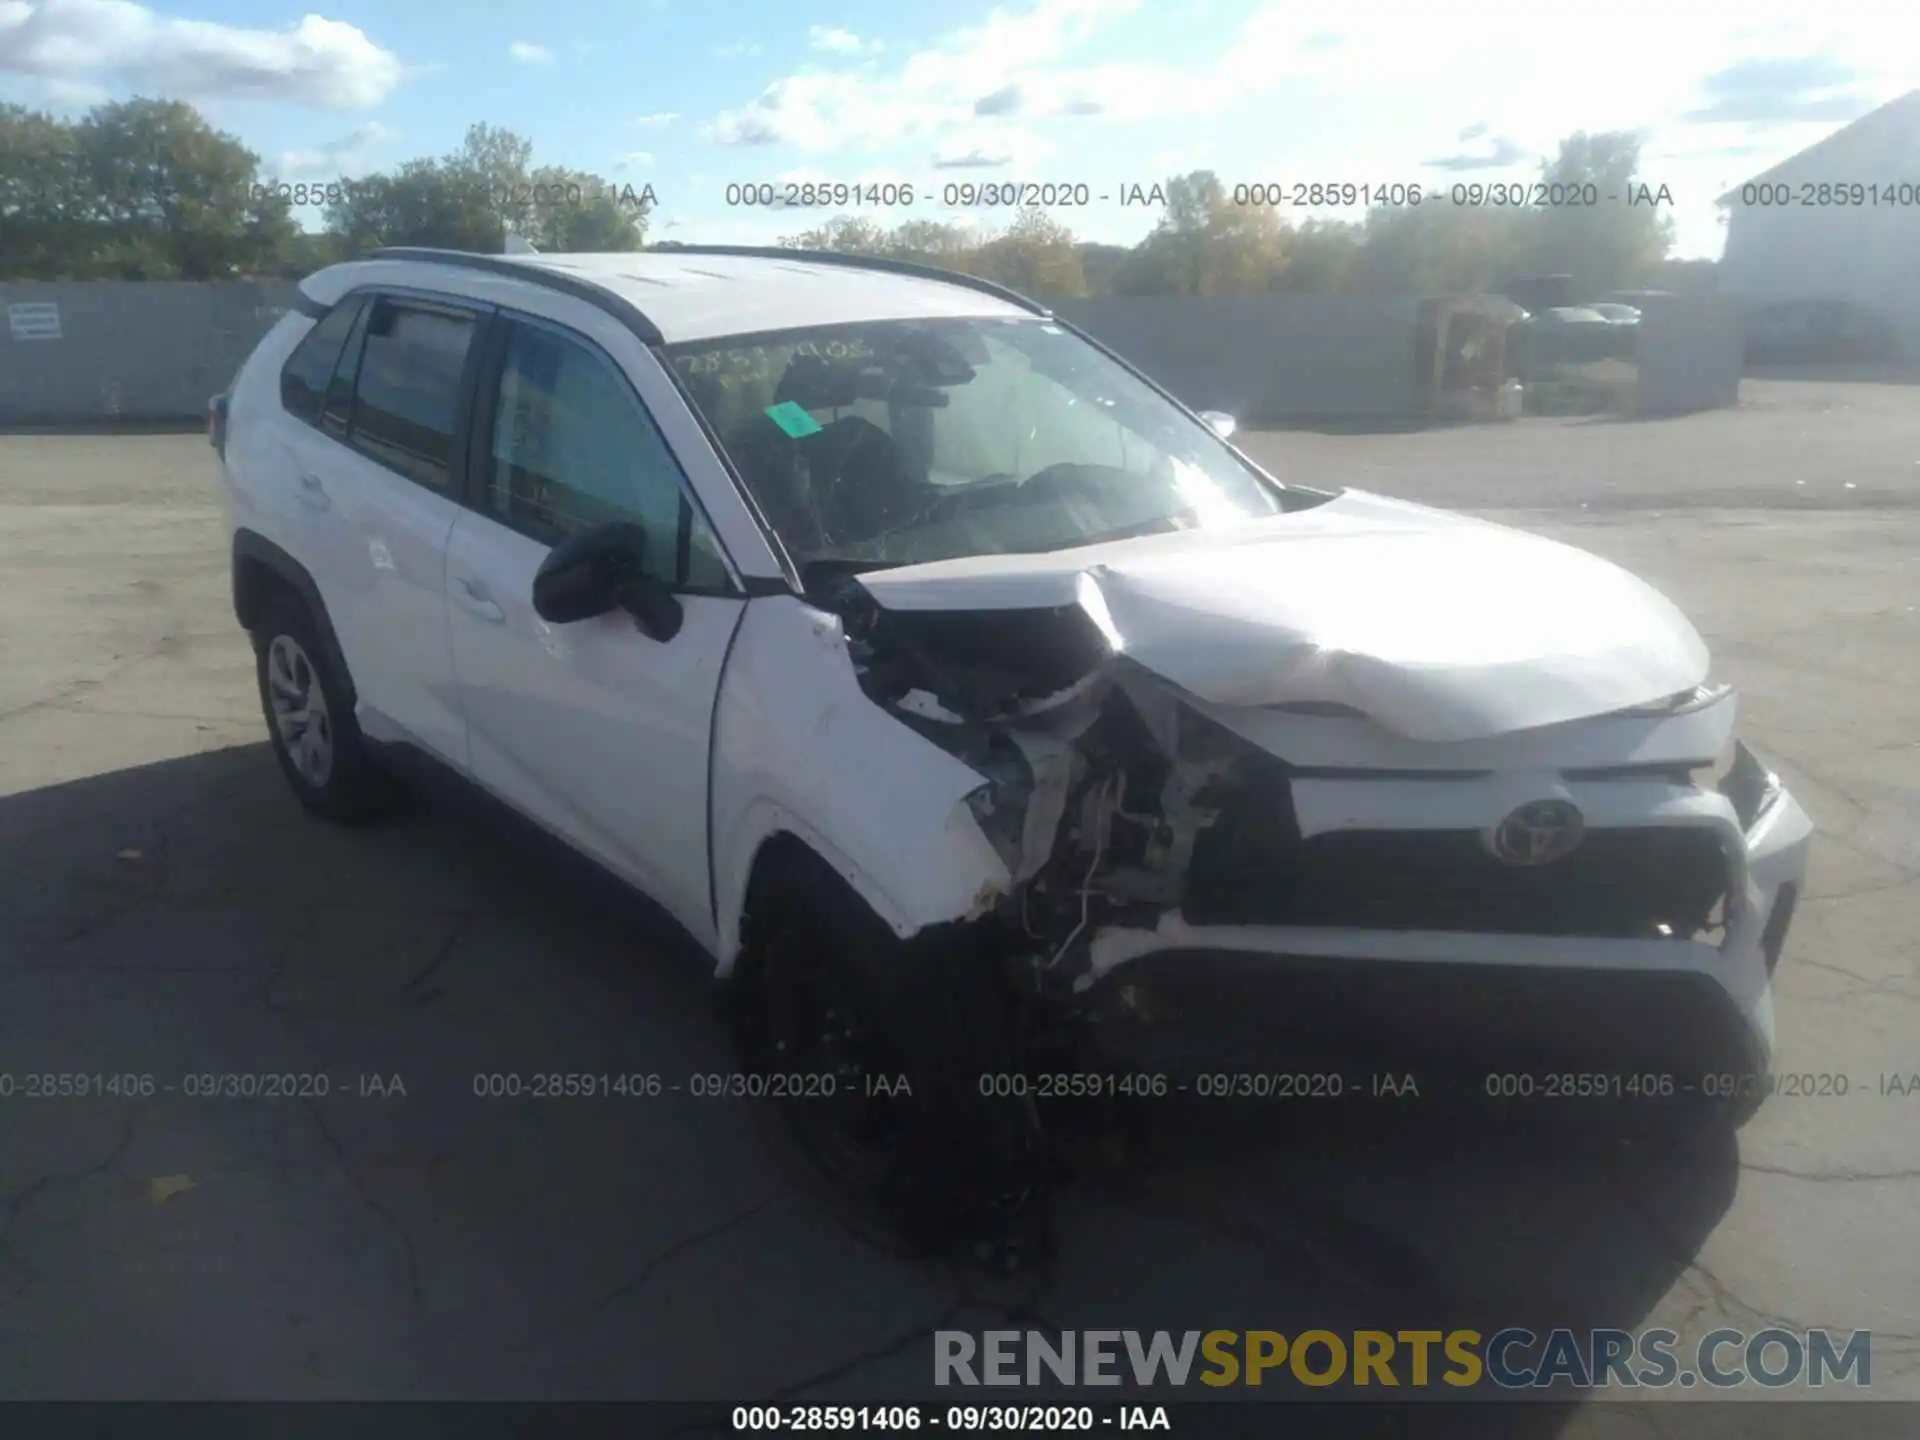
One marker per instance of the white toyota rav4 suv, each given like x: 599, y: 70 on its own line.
x: 971, y: 700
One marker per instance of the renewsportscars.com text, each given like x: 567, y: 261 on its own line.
x: 1512, y: 1358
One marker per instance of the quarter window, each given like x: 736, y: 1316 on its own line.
x: 336, y: 416
x: 303, y: 379
x: 408, y: 389
x: 572, y: 448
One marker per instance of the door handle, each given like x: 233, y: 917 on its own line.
x: 312, y: 493
x: 473, y: 599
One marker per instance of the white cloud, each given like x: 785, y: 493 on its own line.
x: 1381, y: 91
x: 1434, y: 66
x: 658, y: 120
x: 635, y: 160
x: 527, y: 53
x: 94, y: 42
x: 1008, y: 65
x: 990, y: 147
x: 347, y: 155
x: 74, y: 94
x: 836, y: 41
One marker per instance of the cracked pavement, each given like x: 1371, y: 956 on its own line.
x: 166, y: 909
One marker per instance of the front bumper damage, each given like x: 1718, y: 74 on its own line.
x: 1195, y: 885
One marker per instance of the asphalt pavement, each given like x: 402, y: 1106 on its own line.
x: 168, y: 911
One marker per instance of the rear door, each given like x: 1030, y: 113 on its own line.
x: 594, y: 729
x: 383, y: 488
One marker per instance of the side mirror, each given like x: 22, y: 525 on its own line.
x: 1221, y: 423
x: 601, y: 570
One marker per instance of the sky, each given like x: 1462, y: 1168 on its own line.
x: 692, y: 96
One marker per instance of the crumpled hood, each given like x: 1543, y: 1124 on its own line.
x: 1438, y: 626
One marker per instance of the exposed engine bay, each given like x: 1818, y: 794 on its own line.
x: 1116, y: 802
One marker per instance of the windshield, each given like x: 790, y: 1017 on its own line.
x: 899, y: 442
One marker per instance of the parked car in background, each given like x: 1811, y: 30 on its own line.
x: 1813, y: 330
x: 1614, y: 313
x: 1565, y: 334
x: 1638, y: 299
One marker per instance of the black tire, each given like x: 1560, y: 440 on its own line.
x: 943, y: 1167
x: 349, y: 787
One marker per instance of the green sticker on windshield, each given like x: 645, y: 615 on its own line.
x: 793, y: 419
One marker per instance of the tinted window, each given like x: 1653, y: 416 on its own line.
x: 337, y: 415
x: 303, y: 379
x: 409, y: 388
x: 573, y: 448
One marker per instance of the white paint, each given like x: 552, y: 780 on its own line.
x: 1463, y: 645
x: 799, y: 748
x: 1357, y: 742
x: 34, y: 320
x: 1440, y: 627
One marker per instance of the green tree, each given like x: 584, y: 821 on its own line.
x: 591, y: 217
x: 1204, y: 244
x: 1323, y: 258
x: 1613, y: 245
x: 142, y: 190
x: 313, y: 250
x: 1440, y: 248
x: 423, y: 202
x: 42, y: 224
x: 932, y: 242
x: 847, y: 234
x: 1035, y: 255
x: 1102, y: 265
x: 473, y: 198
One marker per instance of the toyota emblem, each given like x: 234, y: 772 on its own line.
x: 1538, y: 833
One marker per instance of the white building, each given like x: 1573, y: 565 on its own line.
x: 1838, y: 221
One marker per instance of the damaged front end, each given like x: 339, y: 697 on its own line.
x: 1190, y: 880
x: 1112, y: 800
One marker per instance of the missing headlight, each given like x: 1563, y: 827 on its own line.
x: 1748, y: 785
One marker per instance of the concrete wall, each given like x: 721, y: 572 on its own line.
x: 1688, y: 354
x: 156, y: 351
x: 1267, y: 357
x: 131, y: 351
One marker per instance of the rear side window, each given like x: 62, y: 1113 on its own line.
x: 303, y: 379
x: 408, y: 388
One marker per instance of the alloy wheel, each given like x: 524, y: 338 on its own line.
x: 300, y: 710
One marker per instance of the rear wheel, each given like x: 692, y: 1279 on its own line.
x: 310, y: 722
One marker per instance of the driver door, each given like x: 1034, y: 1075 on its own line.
x: 592, y: 729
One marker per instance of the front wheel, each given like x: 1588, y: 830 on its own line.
x: 905, y: 1030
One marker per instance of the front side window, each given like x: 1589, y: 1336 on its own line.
x: 572, y: 448
x: 408, y: 389
x: 900, y: 442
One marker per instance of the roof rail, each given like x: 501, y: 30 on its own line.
x: 617, y: 305
x: 859, y: 262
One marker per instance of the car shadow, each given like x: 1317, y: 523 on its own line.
x: 188, y: 917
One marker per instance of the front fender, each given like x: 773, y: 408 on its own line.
x: 799, y: 749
